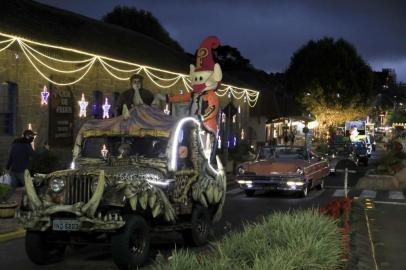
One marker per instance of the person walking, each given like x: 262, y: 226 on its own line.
x: 18, y: 162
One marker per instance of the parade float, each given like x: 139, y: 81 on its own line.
x: 131, y: 175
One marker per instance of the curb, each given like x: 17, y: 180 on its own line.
x: 19, y: 233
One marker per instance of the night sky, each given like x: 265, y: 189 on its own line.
x: 269, y: 32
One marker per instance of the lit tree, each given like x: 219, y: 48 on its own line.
x: 331, y: 81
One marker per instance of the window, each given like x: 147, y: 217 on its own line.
x: 8, y: 104
x: 97, y: 110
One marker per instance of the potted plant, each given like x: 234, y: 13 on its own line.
x: 7, y: 209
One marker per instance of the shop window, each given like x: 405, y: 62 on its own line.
x: 8, y: 104
x: 97, y: 110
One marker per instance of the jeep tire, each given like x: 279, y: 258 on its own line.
x: 200, y: 225
x: 40, y: 251
x: 130, y: 247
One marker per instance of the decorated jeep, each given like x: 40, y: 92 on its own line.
x: 132, y: 175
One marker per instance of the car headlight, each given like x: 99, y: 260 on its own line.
x: 241, y: 170
x: 57, y: 185
x: 299, y: 171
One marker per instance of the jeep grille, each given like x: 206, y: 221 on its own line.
x: 78, y: 189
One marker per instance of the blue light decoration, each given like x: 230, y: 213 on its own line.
x: 83, y: 106
x: 44, y: 96
x: 234, y: 141
x: 106, y: 108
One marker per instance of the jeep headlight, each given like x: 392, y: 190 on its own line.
x: 57, y: 185
x: 299, y: 171
x: 241, y: 170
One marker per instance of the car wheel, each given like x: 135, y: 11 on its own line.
x: 320, y: 186
x: 200, y: 226
x: 130, y: 247
x: 40, y: 251
x: 249, y: 192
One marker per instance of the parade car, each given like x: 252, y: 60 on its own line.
x: 132, y: 175
x: 340, y: 157
x: 360, y: 152
x: 283, y: 168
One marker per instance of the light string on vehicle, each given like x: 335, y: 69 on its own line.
x: 113, y: 67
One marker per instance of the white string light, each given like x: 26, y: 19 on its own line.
x: 33, y: 54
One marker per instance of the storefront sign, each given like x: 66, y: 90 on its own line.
x: 61, y: 111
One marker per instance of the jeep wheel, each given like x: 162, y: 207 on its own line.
x: 40, y: 251
x: 200, y: 225
x: 130, y: 247
x: 249, y: 192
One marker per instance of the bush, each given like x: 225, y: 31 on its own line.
x: 282, y: 241
x: 391, y: 162
x: 4, y: 191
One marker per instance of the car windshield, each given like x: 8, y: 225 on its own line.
x: 266, y: 153
x: 282, y: 152
x: 150, y: 147
x: 290, y: 153
x: 358, y: 145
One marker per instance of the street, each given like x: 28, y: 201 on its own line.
x: 238, y: 210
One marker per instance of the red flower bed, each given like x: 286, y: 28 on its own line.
x: 339, y: 209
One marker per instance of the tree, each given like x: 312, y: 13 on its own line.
x: 230, y: 58
x: 330, y: 80
x: 141, y: 21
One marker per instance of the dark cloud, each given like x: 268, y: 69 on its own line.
x: 268, y: 32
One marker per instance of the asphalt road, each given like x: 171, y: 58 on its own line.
x: 238, y: 210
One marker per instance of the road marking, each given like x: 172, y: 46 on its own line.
x: 367, y: 194
x: 234, y: 191
x: 339, y: 193
x: 396, y: 195
x: 393, y: 203
x: 335, y: 187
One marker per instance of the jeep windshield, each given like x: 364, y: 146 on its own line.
x: 149, y: 147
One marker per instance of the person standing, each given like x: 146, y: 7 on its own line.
x: 136, y: 95
x: 19, y: 158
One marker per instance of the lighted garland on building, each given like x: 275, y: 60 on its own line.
x: 114, y: 67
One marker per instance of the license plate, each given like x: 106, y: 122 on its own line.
x: 65, y: 225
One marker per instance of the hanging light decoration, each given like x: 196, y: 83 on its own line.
x: 106, y: 108
x: 166, y: 110
x: 104, y: 151
x: 229, y: 94
x: 44, y: 96
x: 234, y: 118
x: 239, y: 109
x: 83, y: 106
x: 223, y: 118
x: 242, y: 134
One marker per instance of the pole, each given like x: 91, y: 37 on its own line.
x: 346, y: 182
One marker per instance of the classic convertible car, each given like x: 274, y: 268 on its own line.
x: 285, y: 168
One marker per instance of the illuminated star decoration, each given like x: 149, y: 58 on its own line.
x: 104, y: 151
x: 106, y: 108
x: 83, y: 105
x: 44, y: 96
